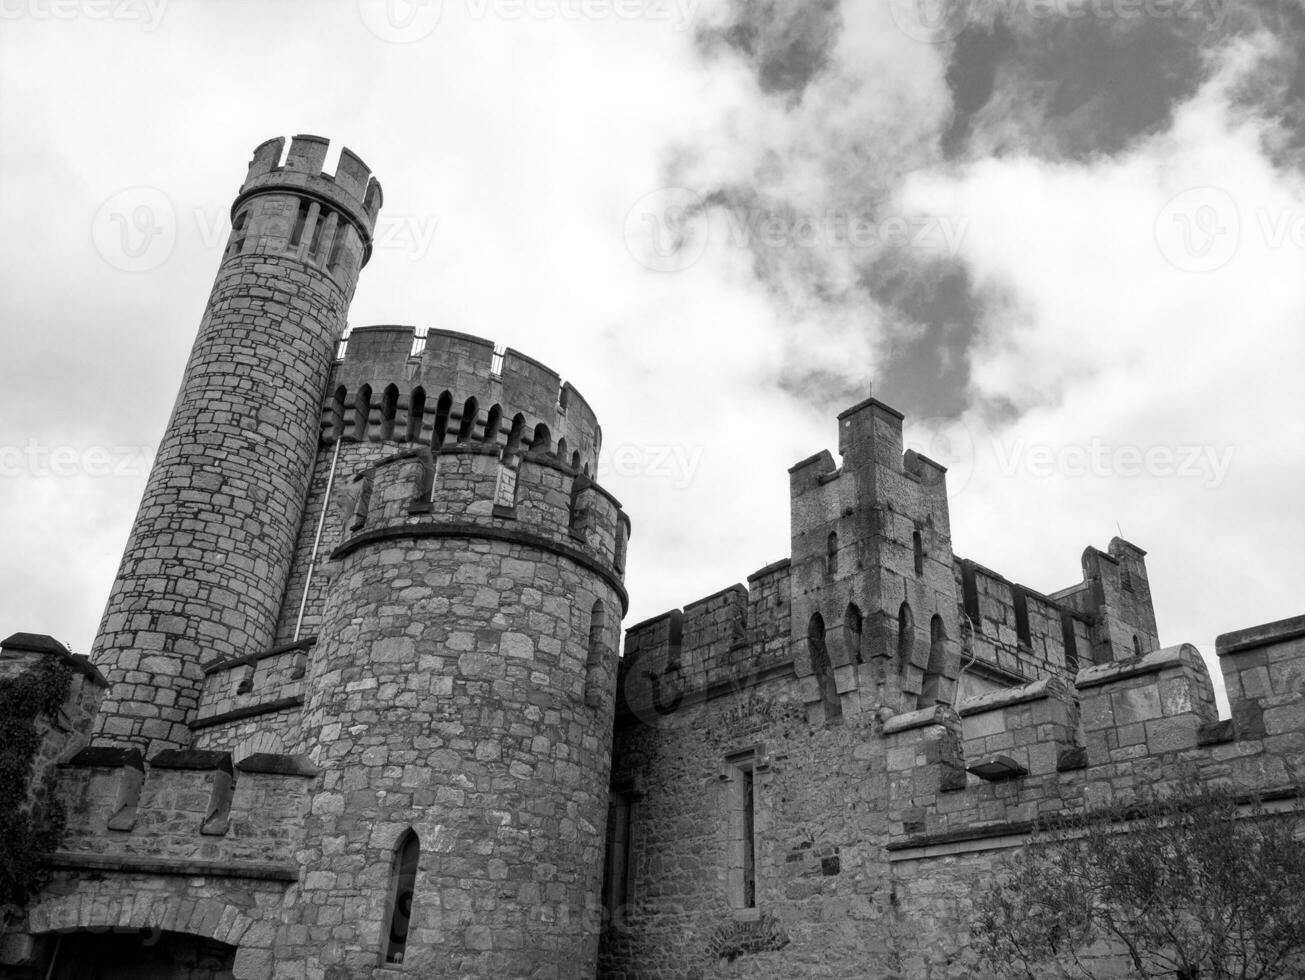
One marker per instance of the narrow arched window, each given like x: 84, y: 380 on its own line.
x: 562, y: 449
x: 389, y: 409
x: 542, y: 440
x: 936, y: 671
x: 852, y: 625
x: 468, y: 424
x: 362, y: 413
x: 416, y: 413
x: 1137, y: 646
x: 905, y: 635
x: 442, y: 409
x: 822, y: 668
x: 403, y: 884
x: 493, y: 423
x: 575, y: 460
x: 594, y: 663
x: 917, y: 545
x: 831, y: 555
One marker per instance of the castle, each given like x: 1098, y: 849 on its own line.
x: 356, y: 709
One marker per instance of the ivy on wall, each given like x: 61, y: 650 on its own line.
x: 30, y: 824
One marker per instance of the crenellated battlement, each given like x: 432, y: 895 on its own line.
x: 715, y: 646
x: 440, y: 388
x: 352, y: 188
x: 1009, y: 758
x: 188, y: 811
x: 475, y: 490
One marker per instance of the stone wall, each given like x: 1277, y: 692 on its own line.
x: 463, y: 689
x: 1016, y: 634
x: 872, y: 833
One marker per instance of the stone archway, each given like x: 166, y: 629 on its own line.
x: 138, y: 955
x: 166, y: 920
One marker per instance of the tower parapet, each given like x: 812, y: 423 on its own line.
x: 463, y: 682
x: 495, y: 419
x: 440, y: 387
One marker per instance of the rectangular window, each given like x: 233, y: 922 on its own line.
x: 323, y: 227
x: 742, y: 790
x: 616, y: 874
x: 1021, y: 602
x: 301, y: 219
x: 749, y: 840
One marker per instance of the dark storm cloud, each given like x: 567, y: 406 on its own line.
x: 933, y: 317
x: 786, y: 42
x: 1070, y: 88
x: 1275, y: 89
x: 1086, y: 86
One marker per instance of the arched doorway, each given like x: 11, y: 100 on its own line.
x: 137, y: 954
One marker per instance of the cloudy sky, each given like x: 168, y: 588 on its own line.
x: 1065, y: 237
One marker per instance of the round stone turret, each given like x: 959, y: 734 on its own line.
x: 205, y: 568
x: 463, y: 683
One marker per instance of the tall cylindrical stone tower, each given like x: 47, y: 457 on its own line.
x: 206, y: 564
x: 459, y: 701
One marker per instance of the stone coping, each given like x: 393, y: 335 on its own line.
x: 814, y: 458
x: 247, y: 711
x: 198, y: 760
x: 651, y: 619
x: 214, y: 666
x: 277, y: 764
x: 41, y: 643
x: 868, y: 403
x: 996, y: 700
x: 1168, y: 658
x: 774, y: 566
x: 736, y: 587
x: 106, y: 757
x: 995, y: 671
x: 1277, y: 799
x: 935, y: 714
x: 1258, y: 636
x: 132, y: 864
